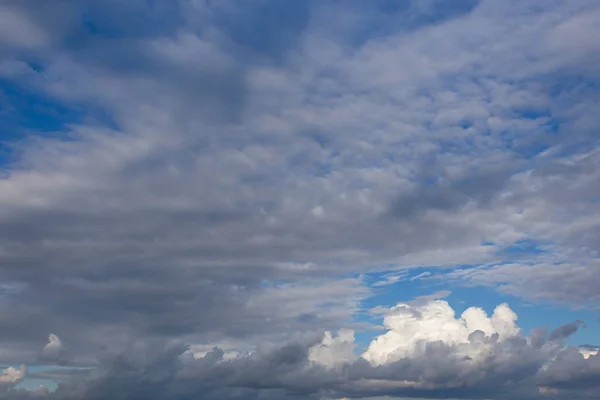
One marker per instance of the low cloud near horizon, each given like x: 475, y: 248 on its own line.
x: 426, y: 351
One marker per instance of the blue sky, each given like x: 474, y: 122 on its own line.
x: 531, y: 315
x: 307, y: 191
x: 34, y: 383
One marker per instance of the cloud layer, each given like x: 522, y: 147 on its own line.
x: 222, y: 173
x: 470, y: 357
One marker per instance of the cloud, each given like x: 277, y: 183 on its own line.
x: 54, y: 351
x: 17, y: 29
x: 333, y: 351
x: 572, y: 371
x: 12, y: 376
x: 232, y: 167
x: 412, y: 327
x: 587, y: 351
x: 571, y: 283
x: 448, y: 358
x: 564, y: 331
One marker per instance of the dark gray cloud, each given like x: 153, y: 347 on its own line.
x: 165, y: 371
x: 570, y: 371
x: 564, y: 331
x: 480, y: 187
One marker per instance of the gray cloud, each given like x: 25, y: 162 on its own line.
x: 564, y: 331
x: 574, y: 284
x: 54, y: 351
x: 571, y: 371
x: 162, y: 371
x: 239, y: 172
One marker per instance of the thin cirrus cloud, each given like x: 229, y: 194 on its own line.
x: 226, y: 173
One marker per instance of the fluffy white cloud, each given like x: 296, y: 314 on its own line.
x: 412, y: 326
x: 334, y: 351
x: 12, y: 376
x: 428, y: 350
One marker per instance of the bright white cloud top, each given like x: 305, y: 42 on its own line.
x: 411, y: 328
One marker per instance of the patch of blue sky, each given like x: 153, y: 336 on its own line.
x: 534, y: 113
x: 36, y: 66
x: 323, y: 140
x: 420, y: 282
x: 130, y: 19
x: 526, y: 246
x: 565, y: 92
x: 387, y: 295
x: 530, y: 316
x: 386, y: 17
x: 250, y: 25
x: 25, y: 111
x: 541, y: 136
x: 33, y: 382
x: 573, y: 84
x: 323, y: 170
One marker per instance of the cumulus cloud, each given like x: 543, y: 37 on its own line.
x: 440, y: 354
x: 12, y: 376
x: 54, y: 350
x: 412, y: 327
x: 572, y: 370
x: 334, y: 351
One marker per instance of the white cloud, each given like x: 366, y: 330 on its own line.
x: 588, y: 352
x: 412, y: 326
x: 334, y: 351
x: 12, y: 376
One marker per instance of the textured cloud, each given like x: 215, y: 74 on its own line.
x: 571, y: 370
x: 334, y: 351
x: 130, y: 218
x: 219, y: 173
x: 587, y: 351
x: 11, y: 376
x: 472, y: 356
x: 54, y: 351
x: 572, y: 283
x: 412, y: 327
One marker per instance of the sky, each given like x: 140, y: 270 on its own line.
x: 299, y: 200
